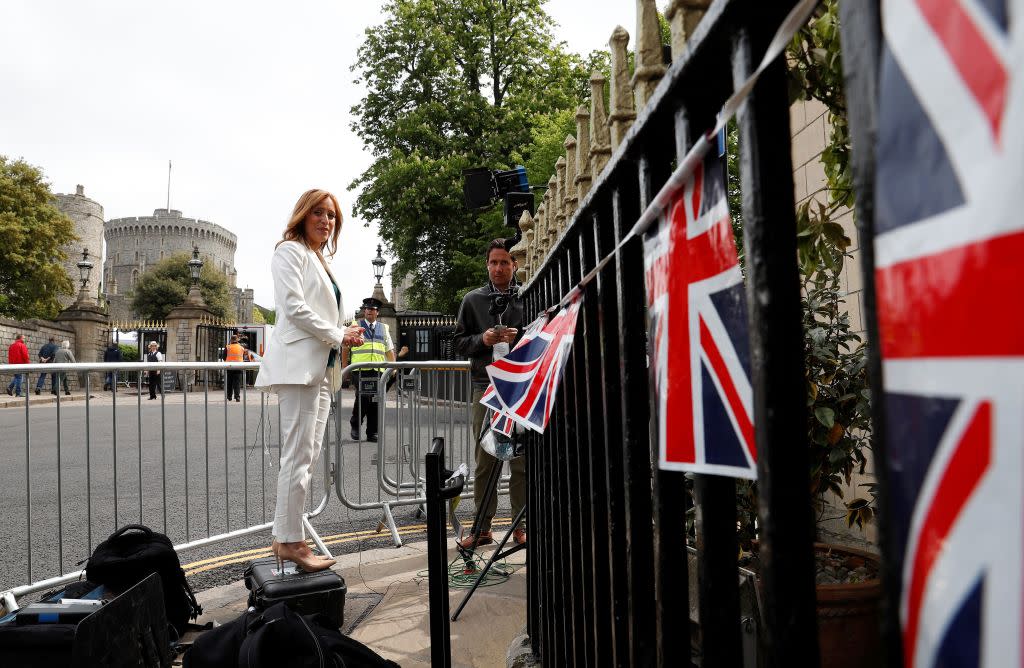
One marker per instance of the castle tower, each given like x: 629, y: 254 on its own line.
x: 87, y: 216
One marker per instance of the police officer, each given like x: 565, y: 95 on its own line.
x: 377, y: 347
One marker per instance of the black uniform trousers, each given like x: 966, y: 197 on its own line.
x: 364, y: 407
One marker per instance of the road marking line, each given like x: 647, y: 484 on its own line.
x: 204, y: 565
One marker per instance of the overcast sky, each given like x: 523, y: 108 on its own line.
x: 250, y: 100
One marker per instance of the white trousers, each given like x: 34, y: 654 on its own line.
x: 304, y: 410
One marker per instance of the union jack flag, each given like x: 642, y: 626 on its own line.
x: 948, y: 246
x: 499, y: 421
x: 698, y: 312
x: 526, y: 380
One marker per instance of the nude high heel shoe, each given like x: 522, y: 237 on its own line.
x: 299, y: 553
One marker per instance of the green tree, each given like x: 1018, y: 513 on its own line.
x: 452, y: 85
x: 166, y: 285
x: 269, y: 315
x: 33, y: 229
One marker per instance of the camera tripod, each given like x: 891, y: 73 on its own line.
x: 499, y: 553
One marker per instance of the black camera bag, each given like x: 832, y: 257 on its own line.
x: 133, y: 552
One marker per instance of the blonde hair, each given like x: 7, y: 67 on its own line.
x: 296, y: 229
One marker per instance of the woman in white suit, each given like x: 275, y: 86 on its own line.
x: 301, y: 363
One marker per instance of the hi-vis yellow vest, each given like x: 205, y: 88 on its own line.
x: 373, y: 349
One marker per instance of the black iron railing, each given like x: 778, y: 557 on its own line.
x: 607, y: 579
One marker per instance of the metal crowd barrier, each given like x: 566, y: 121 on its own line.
x: 87, y: 467
x: 423, y: 403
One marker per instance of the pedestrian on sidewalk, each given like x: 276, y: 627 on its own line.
x: 301, y: 364
x: 154, y: 355
x: 62, y: 356
x: 46, y: 353
x: 17, y: 353
x: 112, y: 354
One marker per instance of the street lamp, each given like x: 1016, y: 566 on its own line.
x: 378, y: 266
x: 195, y: 266
x: 84, y: 268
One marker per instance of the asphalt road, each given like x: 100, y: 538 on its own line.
x: 206, y: 467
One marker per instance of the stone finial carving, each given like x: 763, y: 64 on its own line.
x: 572, y: 200
x: 622, y: 110
x: 518, y: 252
x: 526, y: 224
x: 540, y: 233
x: 582, y: 153
x: 559, y: 200
x: 550, y: 229
x: 600, y: 142
x: 683, y: 17
x: 650, y: 63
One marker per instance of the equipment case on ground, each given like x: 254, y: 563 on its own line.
x: 305, y: 593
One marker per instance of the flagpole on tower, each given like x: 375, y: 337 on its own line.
x: 168, y: 185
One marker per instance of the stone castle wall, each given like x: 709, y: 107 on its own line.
x: 36, y: 334
x: 87, y: 216
x: 135, y: 244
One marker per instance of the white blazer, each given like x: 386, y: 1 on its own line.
x: 309, y: 320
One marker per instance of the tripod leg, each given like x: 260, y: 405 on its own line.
x: 490, y: 562
x: 489, y: 493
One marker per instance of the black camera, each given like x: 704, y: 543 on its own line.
x: 501, y: 300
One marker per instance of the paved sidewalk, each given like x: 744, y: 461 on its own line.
x: 398, y: 625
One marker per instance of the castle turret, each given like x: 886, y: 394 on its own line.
x: 87, y: 216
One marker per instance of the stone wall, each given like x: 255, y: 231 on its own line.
x: 88, y: 219
x: 810, y: 128
x: 36, y: 333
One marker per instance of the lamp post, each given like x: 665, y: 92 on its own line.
x: 195, y: 268
x: 378, y: 267
x: 84, y: 269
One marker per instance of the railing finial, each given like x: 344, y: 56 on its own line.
x: 582, y: 153
x: 622, y: 110
x: 558, y: 201
x: 650, y: 60
x: 683, y: 17
x: 571, y: 199
x: 600, y: 143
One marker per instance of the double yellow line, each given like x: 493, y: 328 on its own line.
x: 258, y: 553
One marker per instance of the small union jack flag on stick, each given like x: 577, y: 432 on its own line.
x: 698, y: 329
x: 526, y: 380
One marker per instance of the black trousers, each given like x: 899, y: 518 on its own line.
x: 154, y: 384
x: 364, y: 407
x: 234, y: 384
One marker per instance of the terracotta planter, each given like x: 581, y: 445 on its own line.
x: 848, y: 632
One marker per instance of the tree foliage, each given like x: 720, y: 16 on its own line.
x: 452, y: 85
x: 167, y: 283
x: 33, y: 229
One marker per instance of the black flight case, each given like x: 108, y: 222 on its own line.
x: 305, y: 593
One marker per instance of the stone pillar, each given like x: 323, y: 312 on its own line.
x: 387, y: 314
x: 518, y: 252
x: 559, y: 197
x: 650, y: 60
x: 621, y: 100
x: 91, y: 327
x: 181, y: 325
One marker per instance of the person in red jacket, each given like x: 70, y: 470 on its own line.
x: 17, y: 353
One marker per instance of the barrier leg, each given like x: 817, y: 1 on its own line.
x: 390, y: 519
x: 316, y: 537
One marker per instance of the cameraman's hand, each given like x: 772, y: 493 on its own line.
x: 491, y: 336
